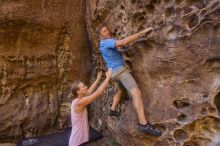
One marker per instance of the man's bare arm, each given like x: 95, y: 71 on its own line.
x: 132, y: 38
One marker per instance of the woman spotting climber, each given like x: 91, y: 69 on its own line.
x: 83, y: 97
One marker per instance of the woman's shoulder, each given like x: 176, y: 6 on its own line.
x: 76, y: 108
x: 74, y: 102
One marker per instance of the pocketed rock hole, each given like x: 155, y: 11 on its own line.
x: 150, y: 8
x: 181, y: 103
x: 122, y: 7
x: 191, y: 143
x: 217, y: 102
x: 179, y: 2
x: 182, y: 118
x: 133, y: 1
x: 169, y: 11
x: 192, y: 21
x: 180, y: 135
x: 205, y: 96
x: 203, y: 111
x: 212, y: 110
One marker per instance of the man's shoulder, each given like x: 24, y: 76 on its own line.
x: 109, y: 39
x: 109, y: 43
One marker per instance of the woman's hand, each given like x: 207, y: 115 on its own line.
x: 108, y: 73
x: 99, y: 76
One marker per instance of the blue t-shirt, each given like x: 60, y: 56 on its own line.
x: 110, y: 54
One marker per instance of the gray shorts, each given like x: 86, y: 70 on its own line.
x: 124, y: 77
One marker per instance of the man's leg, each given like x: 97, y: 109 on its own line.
x: 138, y: 105
x: 116, y: 99
x: 130, y: 84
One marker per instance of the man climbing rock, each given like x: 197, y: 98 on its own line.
x: 111, y: 55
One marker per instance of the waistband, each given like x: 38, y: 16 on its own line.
x: 119, y: 71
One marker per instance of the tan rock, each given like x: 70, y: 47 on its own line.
x: 43, y: 49
x: 176, y: 68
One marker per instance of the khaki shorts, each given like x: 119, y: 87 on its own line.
x: 123, y: 77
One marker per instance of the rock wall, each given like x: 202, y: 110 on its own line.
x: 43, y: 48
x: 177, y: 68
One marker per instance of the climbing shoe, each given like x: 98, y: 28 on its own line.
x: 114, y: 113
x: 149, y: 129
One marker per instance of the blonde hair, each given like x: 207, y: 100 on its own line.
x: 75, y: 88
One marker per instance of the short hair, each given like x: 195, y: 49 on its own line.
x: 75, y: 88
x: 98, y: 29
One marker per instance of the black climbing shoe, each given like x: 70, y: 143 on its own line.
x: 114, y: 113
x: 149, y: 129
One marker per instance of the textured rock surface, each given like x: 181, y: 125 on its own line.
x: 43, y: 48
x: 177, y: 68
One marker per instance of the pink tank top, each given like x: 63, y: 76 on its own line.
x: 80, y: 127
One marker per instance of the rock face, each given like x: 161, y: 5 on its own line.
x: 177, y: 68
x: 43, y: 48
